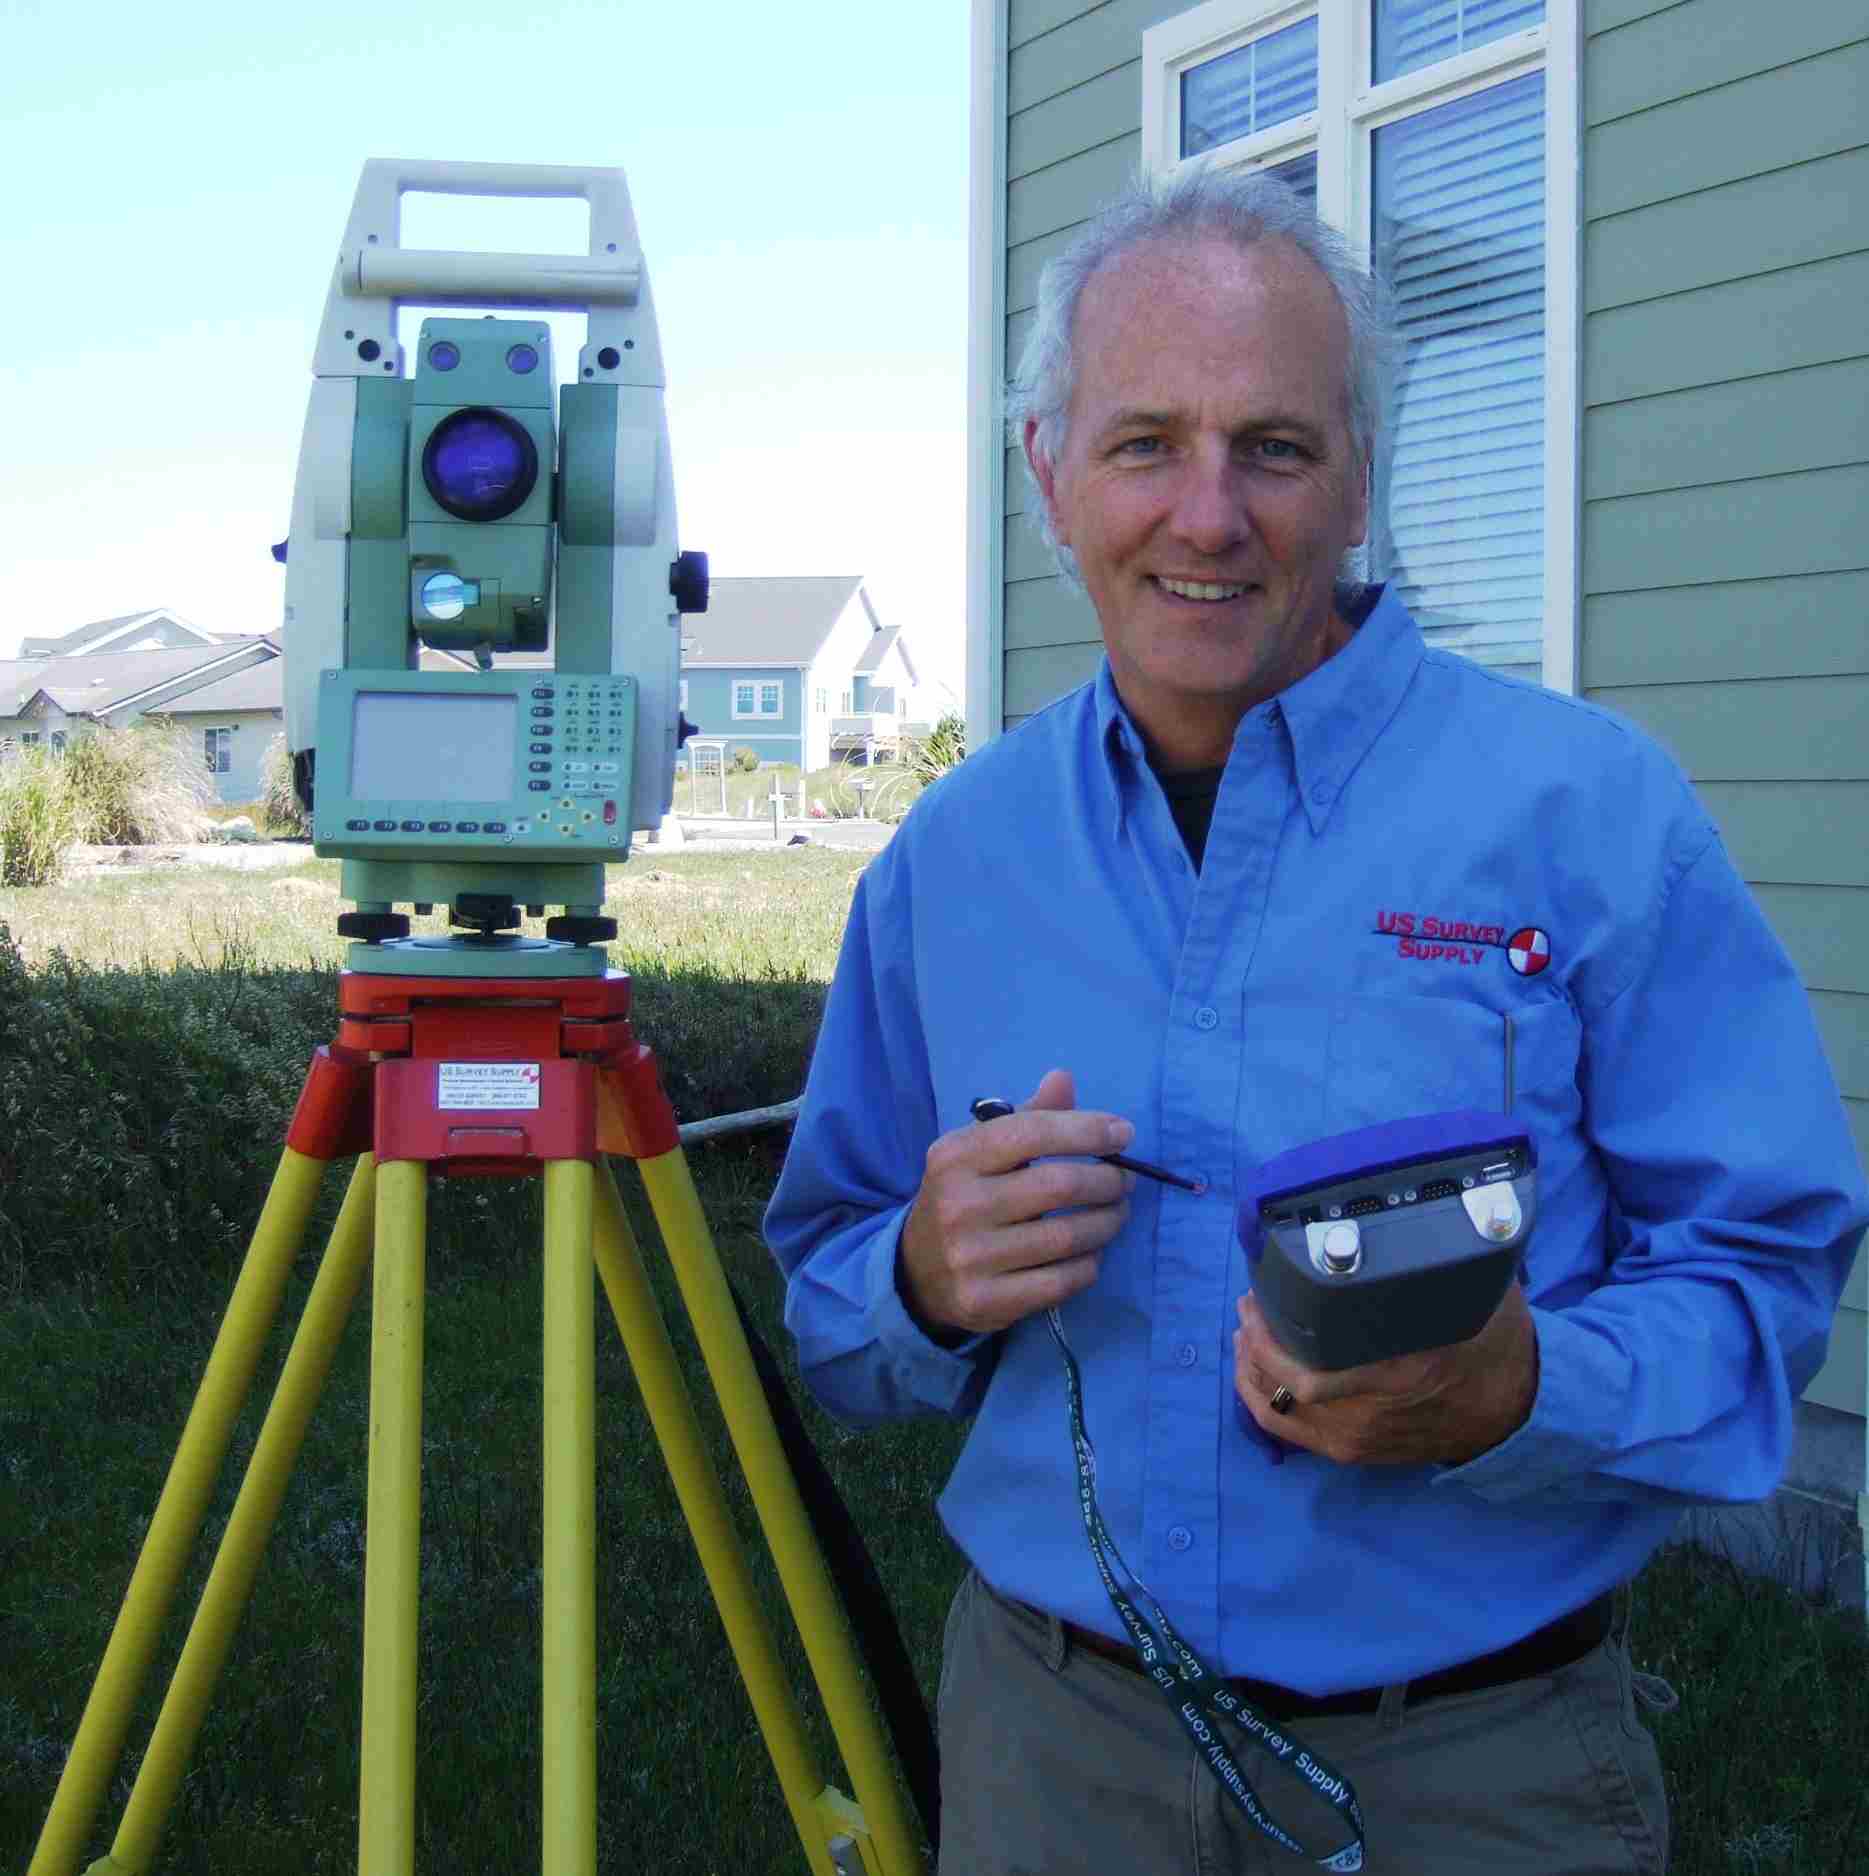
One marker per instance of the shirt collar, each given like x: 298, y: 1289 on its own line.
x: 1332, y: 716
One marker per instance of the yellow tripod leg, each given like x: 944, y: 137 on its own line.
x: 568, y: 1586
x: 393, y: 1525
x: 704, y: 1506
x: 782, y: 1516
x: 179, y: 1511
x: 230, y: 1582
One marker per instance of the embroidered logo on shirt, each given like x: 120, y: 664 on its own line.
x: 1528, y: 950
x: 1464, y: 941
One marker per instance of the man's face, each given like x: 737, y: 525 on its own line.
x: 1207, y: 483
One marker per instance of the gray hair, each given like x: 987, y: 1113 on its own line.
x: 1193, y: 201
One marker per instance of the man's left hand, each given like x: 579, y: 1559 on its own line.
x: 1442, y: 1405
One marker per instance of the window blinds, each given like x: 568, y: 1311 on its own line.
x: 1458, y: 520
x: 1300, y: 176
x: 1264, y: 82
x: 1414, y: 33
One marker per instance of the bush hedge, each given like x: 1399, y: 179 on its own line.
x: 142, y: 1113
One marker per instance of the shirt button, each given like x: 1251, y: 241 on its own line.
x: 1204, y: 1018
x: 1185, y: 1355
x: 1180, y: 1537
x: 1322, y: 792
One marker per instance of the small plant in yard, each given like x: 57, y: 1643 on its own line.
x: 943, y: 748
x: 41, y: 816
x: 278, y: 803
x: 140, y: 786
x: 744, y: 759
x: 887, y: 793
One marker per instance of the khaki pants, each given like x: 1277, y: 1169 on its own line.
x: 1056, y: 1762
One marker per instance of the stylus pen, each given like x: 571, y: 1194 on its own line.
x: 989, y: 1107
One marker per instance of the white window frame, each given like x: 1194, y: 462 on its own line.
x: 218, y: 729
x: 1349, y: 110
x: 758, y: 686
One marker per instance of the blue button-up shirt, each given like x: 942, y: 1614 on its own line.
x: 1406, y: 850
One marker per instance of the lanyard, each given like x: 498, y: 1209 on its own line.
x: 1199, y: 1698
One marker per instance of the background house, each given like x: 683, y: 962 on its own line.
x: 800, y: 670
x: 232, y: 719
x: 158, y: 630
x: 117, y: 672
x: 226, y: 689
x: 1630, y: 245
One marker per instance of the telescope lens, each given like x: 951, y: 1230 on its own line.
x: 444, y: 355
x: 522, y: 358
x: 480, y: 465
x: 446, y: 595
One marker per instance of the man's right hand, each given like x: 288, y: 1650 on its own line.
x: 992, y: 1237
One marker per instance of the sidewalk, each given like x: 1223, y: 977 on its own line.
x: 716, y: 833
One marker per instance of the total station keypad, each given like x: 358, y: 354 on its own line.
x: 579, y: 721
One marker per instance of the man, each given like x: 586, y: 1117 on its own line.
x: 1277, y: 873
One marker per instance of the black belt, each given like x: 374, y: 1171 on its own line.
x: 1554, y: 1646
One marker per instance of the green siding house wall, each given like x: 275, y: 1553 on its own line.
x: 1073, y: 135
x: 1725, y: 462
x: 1722, y: 452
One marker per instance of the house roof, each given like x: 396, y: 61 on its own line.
x: 260, y: 686
x: 94, y: 682
x: 100, y: 634
x: 878, y: 649
x: 773, y: 619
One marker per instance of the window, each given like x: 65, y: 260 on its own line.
x: 30, y: 739
x: 1440, y: 137
x: 58, y: 742
x: 218, y: 746
x: 821, y: 702
x: 1264, y: 82
x: 846, y: 703
x: 754, y: 699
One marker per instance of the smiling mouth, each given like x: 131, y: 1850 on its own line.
x: 1206, y: 590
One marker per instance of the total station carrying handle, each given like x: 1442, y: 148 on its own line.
x: 375, y: 274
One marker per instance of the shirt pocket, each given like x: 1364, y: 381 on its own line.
x: 1393, y: 1057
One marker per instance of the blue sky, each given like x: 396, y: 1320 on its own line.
x: 181, y: 178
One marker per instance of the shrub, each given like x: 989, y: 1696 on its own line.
x: 744, y: 759
x: 41, y: 815
x: 139, y: 786
x: 278, y: 803
x: 943, y: 748
x: 141, y: 1111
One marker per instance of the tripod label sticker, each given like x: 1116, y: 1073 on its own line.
x: 487, y: 1084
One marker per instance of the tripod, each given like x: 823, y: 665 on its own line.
x: 494, y: 1076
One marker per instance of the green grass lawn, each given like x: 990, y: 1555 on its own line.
x: 153, y: 1033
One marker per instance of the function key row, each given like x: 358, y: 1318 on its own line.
x: 425, y: 827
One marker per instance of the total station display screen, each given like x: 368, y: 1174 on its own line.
x: 430, y: 746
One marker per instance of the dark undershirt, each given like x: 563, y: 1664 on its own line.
x: 1192, y: 792
x: 1191, y: 801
